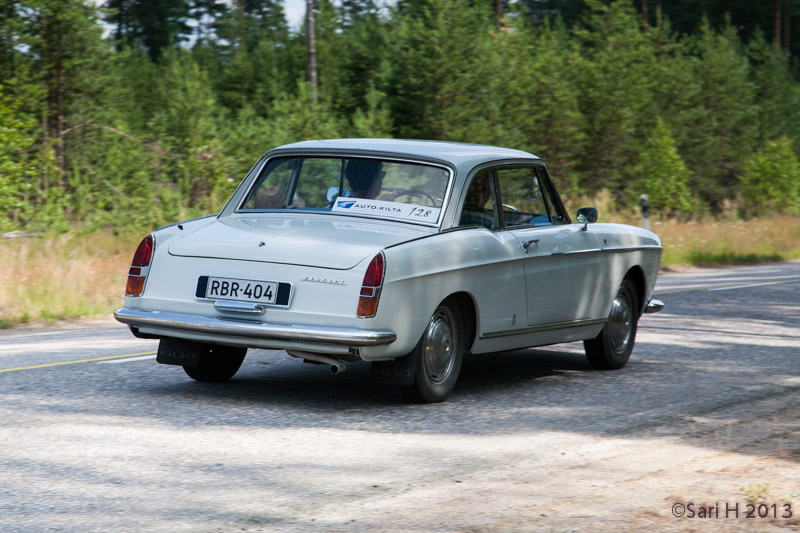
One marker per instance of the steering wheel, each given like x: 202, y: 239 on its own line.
x: 416, y: 192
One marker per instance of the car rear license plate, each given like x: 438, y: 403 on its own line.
x: 243, y: 290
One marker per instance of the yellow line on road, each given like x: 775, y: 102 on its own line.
x: 75, y: 362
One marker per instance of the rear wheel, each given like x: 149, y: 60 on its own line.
x: 612, y: 348
x: 217, y: 363
x: 439, y: 354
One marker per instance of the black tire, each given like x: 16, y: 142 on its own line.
x: 438, y: 354
x: 612, y: 348
x: 217, y: 363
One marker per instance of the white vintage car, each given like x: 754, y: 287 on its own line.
x: 403, y: 253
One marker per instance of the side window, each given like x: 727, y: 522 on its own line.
x: 522, y: 197
x: 478, y: 209
x: 554, y: 206
x: 271, y: 186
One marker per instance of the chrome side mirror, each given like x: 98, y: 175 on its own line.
x: 586, y: 216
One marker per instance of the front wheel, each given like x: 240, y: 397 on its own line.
x: 216, y: 363
x: 438, y: 356
x: 612, y: 348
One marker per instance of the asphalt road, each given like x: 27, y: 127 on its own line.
x: 95, y: 436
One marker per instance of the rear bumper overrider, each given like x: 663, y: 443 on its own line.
x: 251, y: 333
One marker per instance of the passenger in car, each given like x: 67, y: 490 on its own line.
x: 477, y: 205
x: 269, y: 198
x: 365, y: 177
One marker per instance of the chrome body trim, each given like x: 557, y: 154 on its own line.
x: 614, y: 250
x: 260, y: 330
x: 653, y: 306
x: 544, y: 327
x: 579, y: 252
x: 619, y: 249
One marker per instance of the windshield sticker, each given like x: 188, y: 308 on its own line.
x: 364, y: 206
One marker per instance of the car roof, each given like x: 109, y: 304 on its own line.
x: 457, y: 154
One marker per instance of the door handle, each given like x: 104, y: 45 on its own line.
x: 527, y: 244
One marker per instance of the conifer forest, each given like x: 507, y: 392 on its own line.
x: 130, y: 114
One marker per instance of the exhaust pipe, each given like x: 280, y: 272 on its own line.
x: 336, y: 366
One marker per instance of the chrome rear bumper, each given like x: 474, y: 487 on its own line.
x: 251, y: 332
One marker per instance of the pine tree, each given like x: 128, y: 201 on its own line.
x: 616, y: 69
x: 150, y: 24
x: 777, y: 92
x: 432, y: 46
x: 16, y: 170
x: 725, y: 125
x: 663, y: 175
x: 771, y: 180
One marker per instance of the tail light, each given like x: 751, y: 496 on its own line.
x: 371, y: 287
x: 140, y: 266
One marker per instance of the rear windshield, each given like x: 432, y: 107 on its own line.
x: 410, y: 192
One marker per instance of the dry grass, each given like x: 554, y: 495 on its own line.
x: 74, y: 275
x: 726, y: 240
x: 729, y: 242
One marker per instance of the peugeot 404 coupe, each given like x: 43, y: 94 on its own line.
x: 406, y: 254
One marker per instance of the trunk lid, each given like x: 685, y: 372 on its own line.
x: 321, y: 241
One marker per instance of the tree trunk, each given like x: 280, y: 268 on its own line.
x: 777, y: 40
x: 46, y: 110
x: 644, y: 15
x: 312, y: 49
x: 60, y: 103
x: 498, y: 11
x: 122, y: 29
x: 786, y: 32
x: 242, y: 26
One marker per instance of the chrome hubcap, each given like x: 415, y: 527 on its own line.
x: 620, y: 322
x: 439, y: 350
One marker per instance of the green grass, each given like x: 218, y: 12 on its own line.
x: 731, y: 257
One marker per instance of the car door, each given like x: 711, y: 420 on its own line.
x: 497, y: 279
x: 561, y: 260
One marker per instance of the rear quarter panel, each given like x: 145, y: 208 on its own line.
x: 423, y: 273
